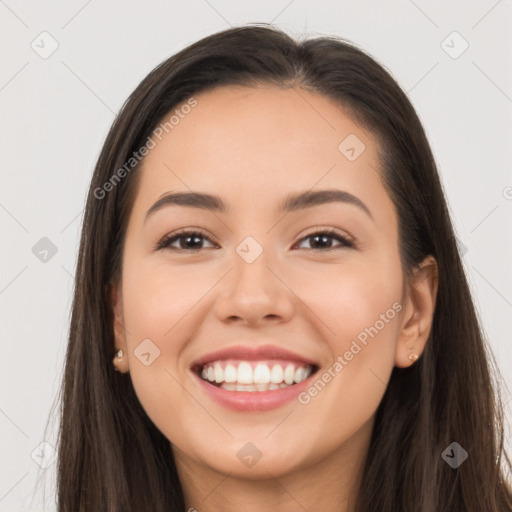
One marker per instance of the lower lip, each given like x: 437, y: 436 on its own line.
x: 254, y: 400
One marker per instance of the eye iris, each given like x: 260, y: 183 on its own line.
x: 196, y: 238
x: 326, y: 240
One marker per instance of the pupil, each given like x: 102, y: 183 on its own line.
x: 186, y: 245
x: 321, y: 237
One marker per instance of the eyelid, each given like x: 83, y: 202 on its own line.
x: 346, y: 240
x: 161, y: 244
x: 329, y: 230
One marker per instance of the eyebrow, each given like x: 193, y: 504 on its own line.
x: 289, y: 204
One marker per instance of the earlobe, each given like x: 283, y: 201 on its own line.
x: 418, y: 315
x: 119, y: 359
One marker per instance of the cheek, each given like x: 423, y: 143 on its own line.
x: 157, y: 303
x: 357, y: 309
x: 157, y: 297
x: 364, y: 310
x: 363, y: 314
x: 350, y: 299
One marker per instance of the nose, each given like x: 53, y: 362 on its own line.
x: 254, y: 294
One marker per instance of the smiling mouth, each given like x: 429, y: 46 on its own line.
x: 240, y: 375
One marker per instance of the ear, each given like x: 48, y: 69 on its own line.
x: 116, y: 301
x: 419, y: 307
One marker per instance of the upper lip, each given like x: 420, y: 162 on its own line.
x: 252, y: 353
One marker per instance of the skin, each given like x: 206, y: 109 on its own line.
x: 253, y: 147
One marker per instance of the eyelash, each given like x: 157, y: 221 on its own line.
x: 332, y: 233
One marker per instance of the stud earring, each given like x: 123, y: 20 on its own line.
x: 413, y: 357
x: 117, y: 358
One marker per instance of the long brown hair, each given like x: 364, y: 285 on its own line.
x: 113, y: 458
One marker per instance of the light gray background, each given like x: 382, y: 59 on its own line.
x: 56, y: 112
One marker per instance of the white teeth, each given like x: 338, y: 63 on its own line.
x: 263, y: 377
x: 300, y: 375
x: 289, y: 373
x: 229, y: 386
x: 244, y: 374
x: 229, y: 373
x: 261, y: 374
x: 219, y: 374
x: 276, y: 374
x: 246, y: 387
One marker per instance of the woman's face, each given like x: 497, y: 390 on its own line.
x: 216, y: 325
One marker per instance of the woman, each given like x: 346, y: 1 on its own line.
x: 270, y: 310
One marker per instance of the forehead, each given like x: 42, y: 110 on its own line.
x: 261, y: 142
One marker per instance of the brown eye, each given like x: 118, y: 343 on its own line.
x: 323, y: 240
x: 187, y: 241
x: 193, y: 241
